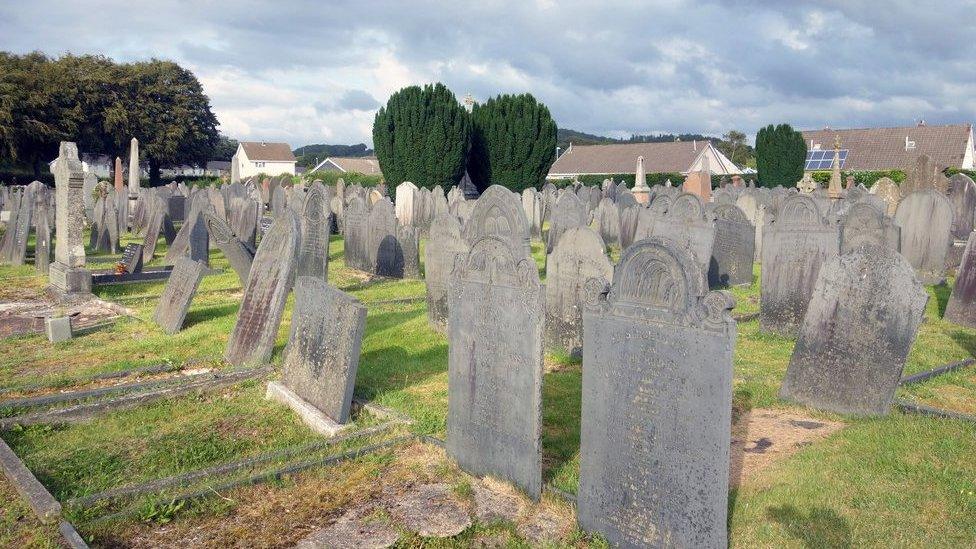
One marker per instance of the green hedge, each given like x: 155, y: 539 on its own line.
x: 867, y: 178
x: 331, y: 177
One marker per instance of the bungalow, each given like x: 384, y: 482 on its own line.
x: 253, y: 158
x: 667, y: 157
x: 873, y: 149
x: 367, y: 165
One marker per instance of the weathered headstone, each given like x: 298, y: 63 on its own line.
x: 606, y: 220
x: 253, y: 337
x: 322, y: 355
x: 406, y: 203
x: 409, y: 241
x: 961, y: 308
x: 734, y: 248
x: 568, y: 212
x: 686, y: 223
x: 578, y: 257
x: 495, y: 363
x: 385, y: 252
x: 498, y: 212
x: 861, y: 323
x: 863, y: 224
x: 178, y: 294
x: 795, y: 246
x: 657, y: 403
x: 356, y: 235
x: 962, y: 196
x: 925, y: 218
x: 886, y: 189
x: 67, y: 274
x: 444, y: 249
x: 132, y: 258
x: 313, y: 258
x: 237, y: 254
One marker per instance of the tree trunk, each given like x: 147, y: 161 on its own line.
x: 154, y: 180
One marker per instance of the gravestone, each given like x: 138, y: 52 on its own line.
x: 920, y: 176
x: 886, y: 189
x: 178, y: 294
x: 657, y: 403
x: 532, y: 206
x: 132, y: 258
x: 629, y: 218
x: 686, y: 223
x: 192, y: 238
x: 796, y: 243
x: 313, y: 258
x: 67, y: 274
x: 155, y: 219
x: 865, y: 223
x: 444, y: 249
x: 925, y: 218
x: 734, y: 248
x: 961, y: 308
x: 409, y: 240
x: 578, y: 257
x: 568, y: 212
x: 322, y: 356
x: 962, y: 196
x: 252, y: 340
x: 496, y: 308
x: 237, y: 254
x: 606, y: 219
x: 497, y: 212
x: 385, y: 252
x: 406, y: 203
x: 21, y: 231
x: 356, y: 236
x: 861, y: 323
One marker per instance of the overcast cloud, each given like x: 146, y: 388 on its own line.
x: 315, y: 72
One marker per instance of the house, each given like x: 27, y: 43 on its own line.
x: 253, y: 158
x: 367, y: 165
x: 668, y: 157
x: 99, y: 164
x: 871, y: 149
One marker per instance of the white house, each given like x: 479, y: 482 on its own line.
x: 253, y: 158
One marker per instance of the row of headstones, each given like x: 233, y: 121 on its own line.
x: 29, y: 208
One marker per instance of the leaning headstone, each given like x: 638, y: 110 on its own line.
x: 21, y: 231
x: 629, y: 218
x: 863, y: 224
x: 861, y: 323
x: 313, y: 258
x: 252, y: 340
x: 132, y: 258
x: 178, y: 294
x: 961, y: 308
x: 192, y: 238
x: 734, y: 248
x: 237, y: 254
x: 444, y: 249
x: 886, y: 189
x: 579, y: 256
x: 962, y: 196
x: 322, y: 355
x: 925, y: 218
x: 155, y: 218
x: 657, y: 403
x: 67, y: 274
x: 795, y: 246
x: 495, y: 363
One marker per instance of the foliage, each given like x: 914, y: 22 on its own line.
x: 734, y: 146
x: 780, y: 155
x: 101, y: 105
x: 310, y: 155
x: 513, y: 142
x: 330, y: 178
x: 422, y: 135
x: 866, y: 178
x: 225, y: 149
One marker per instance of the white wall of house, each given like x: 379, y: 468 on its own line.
x: 249, y: 168
x: 718, y: 163
x: 969, y: 157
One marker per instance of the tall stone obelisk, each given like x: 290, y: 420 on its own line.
x: 68, y: 275
x: 642, y: 193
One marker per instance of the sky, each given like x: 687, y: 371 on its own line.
x: 315, y: 72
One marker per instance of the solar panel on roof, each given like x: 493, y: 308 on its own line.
x: 823, y: 159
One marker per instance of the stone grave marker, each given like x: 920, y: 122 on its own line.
x: 178, y: 294
x: 444, y: 249
x: 68, y: 275
x: 385, y: 252
x: 657, y: 403
x: 409, y: 240
x: 925, y: 218
x: 356, y: 241
x: 313, y: 258
x: 496, y: 308
x: 132, y: 258
x: 860, y: 325
x: 961, y: 308
x: 237, y: 254
x: 606, y: 219
x: 252, y: 340
x: 795, y: 246
x: 734, y: 248
x: 962, y: 196
x: 322, y: 355
x: 568, y: 212
x: 406, y: 203
x: 686, y: 223
x: 865, y: 223
x: 579, y: 256
x: 498, y: 212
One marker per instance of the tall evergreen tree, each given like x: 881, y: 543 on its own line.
x: 422, y: 136
x: 513, y: 142
x: 780, y: 155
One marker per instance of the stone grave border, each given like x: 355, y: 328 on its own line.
x: 151, y: 274
x: 119, y: 374
x: 929, y: 374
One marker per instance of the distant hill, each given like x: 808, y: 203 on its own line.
x: 565, y: 136
x: 309, y: 155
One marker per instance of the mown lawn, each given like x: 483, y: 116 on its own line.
x: 899, y: 480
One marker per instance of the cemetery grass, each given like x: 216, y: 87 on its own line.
x: 902, y: 478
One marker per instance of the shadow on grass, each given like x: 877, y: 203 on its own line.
x: 942, y: 292
x: 393, y: 366
x: 965, y: 340
x: 818, y: 528
x: 203, y: 314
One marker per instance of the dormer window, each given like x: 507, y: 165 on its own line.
x: 909, y: 145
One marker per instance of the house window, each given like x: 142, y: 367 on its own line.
x: 259, y: 164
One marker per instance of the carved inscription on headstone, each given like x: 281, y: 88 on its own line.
x: 178, y: 294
